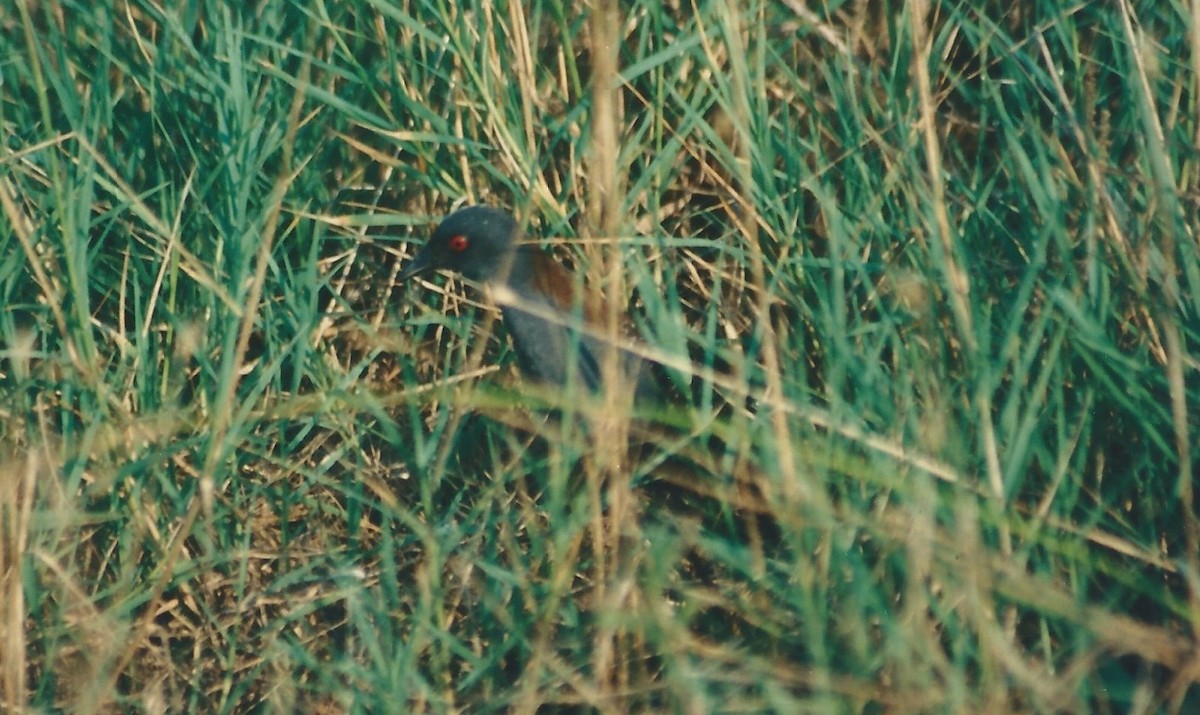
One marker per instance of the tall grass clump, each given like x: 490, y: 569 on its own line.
x: 925, y: 275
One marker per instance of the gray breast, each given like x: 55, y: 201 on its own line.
x: 549, y: 351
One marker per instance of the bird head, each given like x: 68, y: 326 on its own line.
x: 476, y: 242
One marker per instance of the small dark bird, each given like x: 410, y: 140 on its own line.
x: 483, y: 244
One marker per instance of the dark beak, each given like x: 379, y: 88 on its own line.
x: 420, y: 264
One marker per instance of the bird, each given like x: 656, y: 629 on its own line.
x: 553, y: 333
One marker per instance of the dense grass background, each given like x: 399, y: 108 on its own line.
x: 932, y: 268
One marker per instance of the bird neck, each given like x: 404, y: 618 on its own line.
x: 534, y: 275
x: 520, y: 269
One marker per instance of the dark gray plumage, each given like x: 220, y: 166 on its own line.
x: 483, y: 244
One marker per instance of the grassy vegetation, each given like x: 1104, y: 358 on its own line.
x: 931, y: 269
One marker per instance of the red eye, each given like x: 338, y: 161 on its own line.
x: 459, y: 243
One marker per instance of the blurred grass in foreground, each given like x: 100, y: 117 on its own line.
x: 947, y: 251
